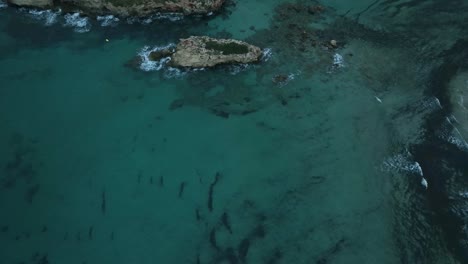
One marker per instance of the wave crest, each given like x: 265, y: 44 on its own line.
x: 402, y: 163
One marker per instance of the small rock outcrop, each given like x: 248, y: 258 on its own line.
x: 128, y: 7
x: 201, y: 51
x: 32, y: 3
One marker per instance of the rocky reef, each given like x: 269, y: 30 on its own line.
x: 202, y: 51
x: 128, y: 7
x: 32, y: 3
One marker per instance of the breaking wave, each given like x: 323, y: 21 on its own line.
x: 150, y: 65
x: 169, y: 72
x: 162, y: 65
x: 108, y: 21
x: 402, y: 163
x: 77, y: 22
x: 82, y: 24
x: 450, y: 133
x: 431, y: 103
x: 48, y: 17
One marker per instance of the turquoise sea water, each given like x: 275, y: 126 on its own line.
x: 108, y: 161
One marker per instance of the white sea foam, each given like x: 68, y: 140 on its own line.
x: 461, y: 102
x: 453, y: 119
x: 458, y: 141
x: 429, y: 104
x: 108, y: 21
x: 168, y: 16
x: 172, y: 73
x: 158, y: 16
x: 150, y: 65
x: 289, y: 78
x: 238, y: 68
x: 49, y: 17
x: 162, y: 65
x: 450, y: 133
x: 402, y: 163
x: 424, y: 182
x: 338, y: 61
x: 432, y: 103
x: 266, y: 54
x: 3, y: 5
x: 77, y: 22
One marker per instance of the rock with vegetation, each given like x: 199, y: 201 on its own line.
x: 128, y: 7
x: 201, y: 51
x: 32, y: 3
x: 146, y: 7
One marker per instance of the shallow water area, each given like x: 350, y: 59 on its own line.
x: 317, y: 154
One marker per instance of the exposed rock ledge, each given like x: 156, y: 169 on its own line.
x: 201, y: 51
x: 128, y: 7
x: 32, y: 3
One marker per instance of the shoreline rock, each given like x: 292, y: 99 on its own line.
x: 127, y: 8
x: 32, y: 3
x: 202, y: 51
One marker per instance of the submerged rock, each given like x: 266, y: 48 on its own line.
x: 129, y: 7
x: 202, y: 51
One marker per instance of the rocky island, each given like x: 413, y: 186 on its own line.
x: 127, y: 7
x: 202, y: 51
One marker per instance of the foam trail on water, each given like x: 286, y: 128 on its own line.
x: 77, y: 22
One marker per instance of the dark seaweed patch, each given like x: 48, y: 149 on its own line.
x: 211, y: 190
